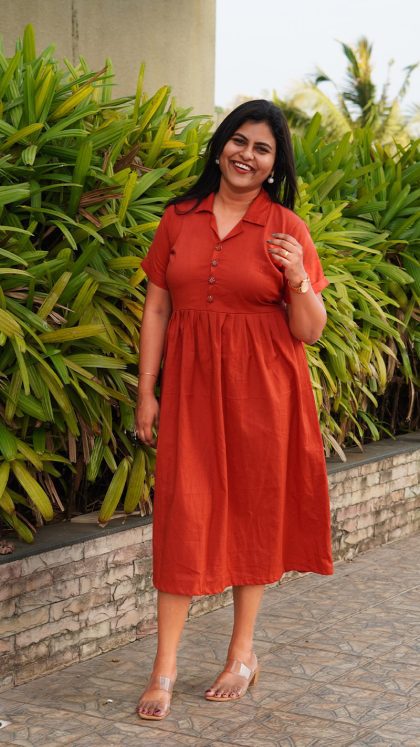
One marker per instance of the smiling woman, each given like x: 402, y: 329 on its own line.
x: 250, y: 152
x: 246, y: 161
x: 241, y: 487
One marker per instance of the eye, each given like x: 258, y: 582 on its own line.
x: 238, y: 139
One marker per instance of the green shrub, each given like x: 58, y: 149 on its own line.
x: 362, y: 204
x: 84, y: 181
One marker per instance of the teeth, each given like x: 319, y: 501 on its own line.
x: 242, y: 166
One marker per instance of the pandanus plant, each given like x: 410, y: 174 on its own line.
x: 362, y: 204
x: 84, y: 180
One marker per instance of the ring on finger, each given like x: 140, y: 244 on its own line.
x: 286, y: 253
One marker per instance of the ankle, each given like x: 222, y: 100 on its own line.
x: 166, y: 665
x: 241, y: 651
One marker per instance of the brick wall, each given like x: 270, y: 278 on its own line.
x: 71, y: 603
x: 78, y: 601
x: 374, y: 503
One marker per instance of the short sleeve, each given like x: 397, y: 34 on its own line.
x: 157, y: 258
x: 311, y: 261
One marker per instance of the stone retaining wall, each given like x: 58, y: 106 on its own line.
x: 72, y: 603
x: 374, y: 503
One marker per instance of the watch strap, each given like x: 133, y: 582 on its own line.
x: 299, y: 288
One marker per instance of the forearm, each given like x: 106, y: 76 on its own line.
x: 306, y: 313
x: 152, y: 338
x: 306, y: 316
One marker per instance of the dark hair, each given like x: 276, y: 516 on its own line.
x: 284, y: 187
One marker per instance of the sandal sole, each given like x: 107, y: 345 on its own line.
x: 150, y: 717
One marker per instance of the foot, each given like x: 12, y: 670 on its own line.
x: 155, y: 701
x: 233, y: 685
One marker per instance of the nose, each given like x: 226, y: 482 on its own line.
x: 246, y: 152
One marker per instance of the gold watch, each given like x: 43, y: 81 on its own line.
x: 303, y: 286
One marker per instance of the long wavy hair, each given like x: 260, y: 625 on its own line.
x: 284, y: 187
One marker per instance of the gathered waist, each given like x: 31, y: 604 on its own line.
x: 225, y: 312
x: 223, y: 328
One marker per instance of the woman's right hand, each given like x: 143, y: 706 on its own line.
x: 147, y: 416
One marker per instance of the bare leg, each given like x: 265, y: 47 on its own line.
x: 172, y: 611
x: 246, y: 601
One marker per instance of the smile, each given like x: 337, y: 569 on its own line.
x: 242, y: 166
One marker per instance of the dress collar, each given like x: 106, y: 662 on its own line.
x: 257, y: 211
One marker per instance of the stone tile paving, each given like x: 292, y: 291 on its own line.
x: 340, y: 667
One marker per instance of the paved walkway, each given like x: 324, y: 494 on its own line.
x: 340, y: 660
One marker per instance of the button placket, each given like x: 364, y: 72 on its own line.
x: 212, y: 278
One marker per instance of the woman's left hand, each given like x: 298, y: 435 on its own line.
x: 288, y: 254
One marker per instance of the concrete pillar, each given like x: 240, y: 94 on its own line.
x: 175, y: 38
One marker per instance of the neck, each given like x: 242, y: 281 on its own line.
x: 229, y: 198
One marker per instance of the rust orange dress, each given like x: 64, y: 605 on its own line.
x: 241, y: 491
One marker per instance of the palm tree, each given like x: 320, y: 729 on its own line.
x: 357, y: 104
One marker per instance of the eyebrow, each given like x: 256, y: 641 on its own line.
x: 260, y: 142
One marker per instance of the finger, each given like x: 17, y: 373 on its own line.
x: 153, y: 438
x: 282, y: 252
x: 285, y: 260
x: 286, y: 237
x: 140, y: 435
x: 283, y: 244
x: 145, y: 434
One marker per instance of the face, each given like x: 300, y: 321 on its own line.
x: 247, y: 159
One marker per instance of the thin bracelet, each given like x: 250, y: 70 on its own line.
x: 146, y: 373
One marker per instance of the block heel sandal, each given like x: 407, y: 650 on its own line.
x: 157, y: 682
x: 235, y: 666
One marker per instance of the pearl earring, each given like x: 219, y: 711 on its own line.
x: 217, y: 161
x: 271, y: 179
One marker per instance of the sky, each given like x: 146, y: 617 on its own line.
x: 266, y: 45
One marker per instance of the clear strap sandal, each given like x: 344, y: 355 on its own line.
x: 155, y: 710
x: 235, y: 666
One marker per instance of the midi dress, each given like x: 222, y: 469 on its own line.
x: 241, y: 490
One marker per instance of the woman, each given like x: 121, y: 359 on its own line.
x: 241, y: 488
